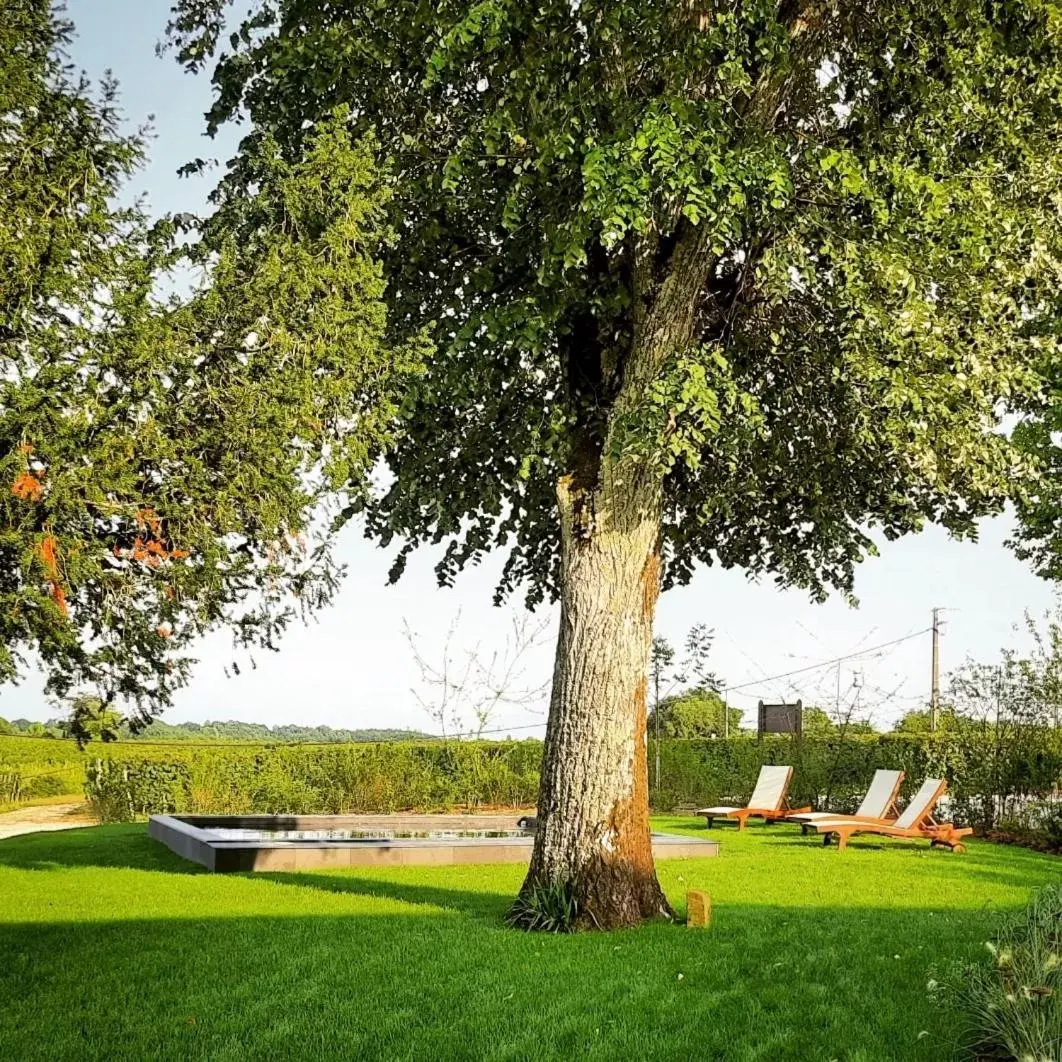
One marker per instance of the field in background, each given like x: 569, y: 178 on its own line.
x: 39, y: 770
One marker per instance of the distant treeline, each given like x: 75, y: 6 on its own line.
x: 231, y: 730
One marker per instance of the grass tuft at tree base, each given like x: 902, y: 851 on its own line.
x: 552, y: 908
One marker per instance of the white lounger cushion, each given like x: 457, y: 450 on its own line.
x: 770, y: 788
x: 875, y: 804
x: 921, y: 804
x: 880, y: 795
x: 823, y: 825
x: 816, y: 816
x: 767, y: 796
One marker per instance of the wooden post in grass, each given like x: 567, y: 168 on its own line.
x: 698, y: 908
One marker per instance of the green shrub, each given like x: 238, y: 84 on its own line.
x: 987, y: 782
x: 1052, y: 826
x: 121, y: 792
x: 61, y: 782
x: 10, y: 786
x: 38, y: 754
x: 130, y: 781
x: 991, y: 785
x: 34, y: 769
x: 1011, y: 1007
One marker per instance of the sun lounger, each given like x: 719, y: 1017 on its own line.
x: 916, y: 822
x: 768, y: 800
x: 879, y: 804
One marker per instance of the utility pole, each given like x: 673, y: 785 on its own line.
x: 726, y: 714
x: 934, y: 696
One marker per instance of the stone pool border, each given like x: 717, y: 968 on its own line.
x: 189, y: 836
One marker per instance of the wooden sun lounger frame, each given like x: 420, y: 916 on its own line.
x: 767, y: 814
x: 892, y: 813
x: 945, y: 834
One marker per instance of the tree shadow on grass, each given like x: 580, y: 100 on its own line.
x: 766, y: 983
x: 129, y: 847
x: 262, y: 973
x: 480, y: 906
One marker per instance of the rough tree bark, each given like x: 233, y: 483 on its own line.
x: 593, y: 810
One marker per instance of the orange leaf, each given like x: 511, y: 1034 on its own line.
x: 60, y: 599
x: 148, y: 518
x: 46, y: 550
x: 27, y: 487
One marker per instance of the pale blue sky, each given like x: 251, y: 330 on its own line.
x: 352, y: 667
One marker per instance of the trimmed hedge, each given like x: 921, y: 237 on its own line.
x: 989, y: 785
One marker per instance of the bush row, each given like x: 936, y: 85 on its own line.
x: 19, y: 786
x: 37, y: 754
x: 126, y: 783
x: 992, y: 783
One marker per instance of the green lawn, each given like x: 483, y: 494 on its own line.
x: 112, y: 948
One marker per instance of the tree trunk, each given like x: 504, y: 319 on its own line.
x: 592, y: 838
x: 593, y: 813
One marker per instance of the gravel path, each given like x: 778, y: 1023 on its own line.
x: 48, y: 817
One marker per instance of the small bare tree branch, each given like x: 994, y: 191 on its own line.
x: 474, y: 684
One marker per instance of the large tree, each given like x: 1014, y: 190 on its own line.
x: 744, y: 284
x: 163, y: 459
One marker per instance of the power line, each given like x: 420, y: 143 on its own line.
x: 874, y: 652
x: 828, y: 663
x: 505, y: 729
x: 479, y: 733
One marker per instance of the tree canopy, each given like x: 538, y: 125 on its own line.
x: 1039, y: 535
x: 862, y: 197
x: 694, y: 713
x: 919, y: 721
x: 740, y: 284
x: 164, y: 456
x: 815, y: 722
x: 91, y: 720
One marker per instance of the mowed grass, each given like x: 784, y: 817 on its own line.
x: 113, y: 948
